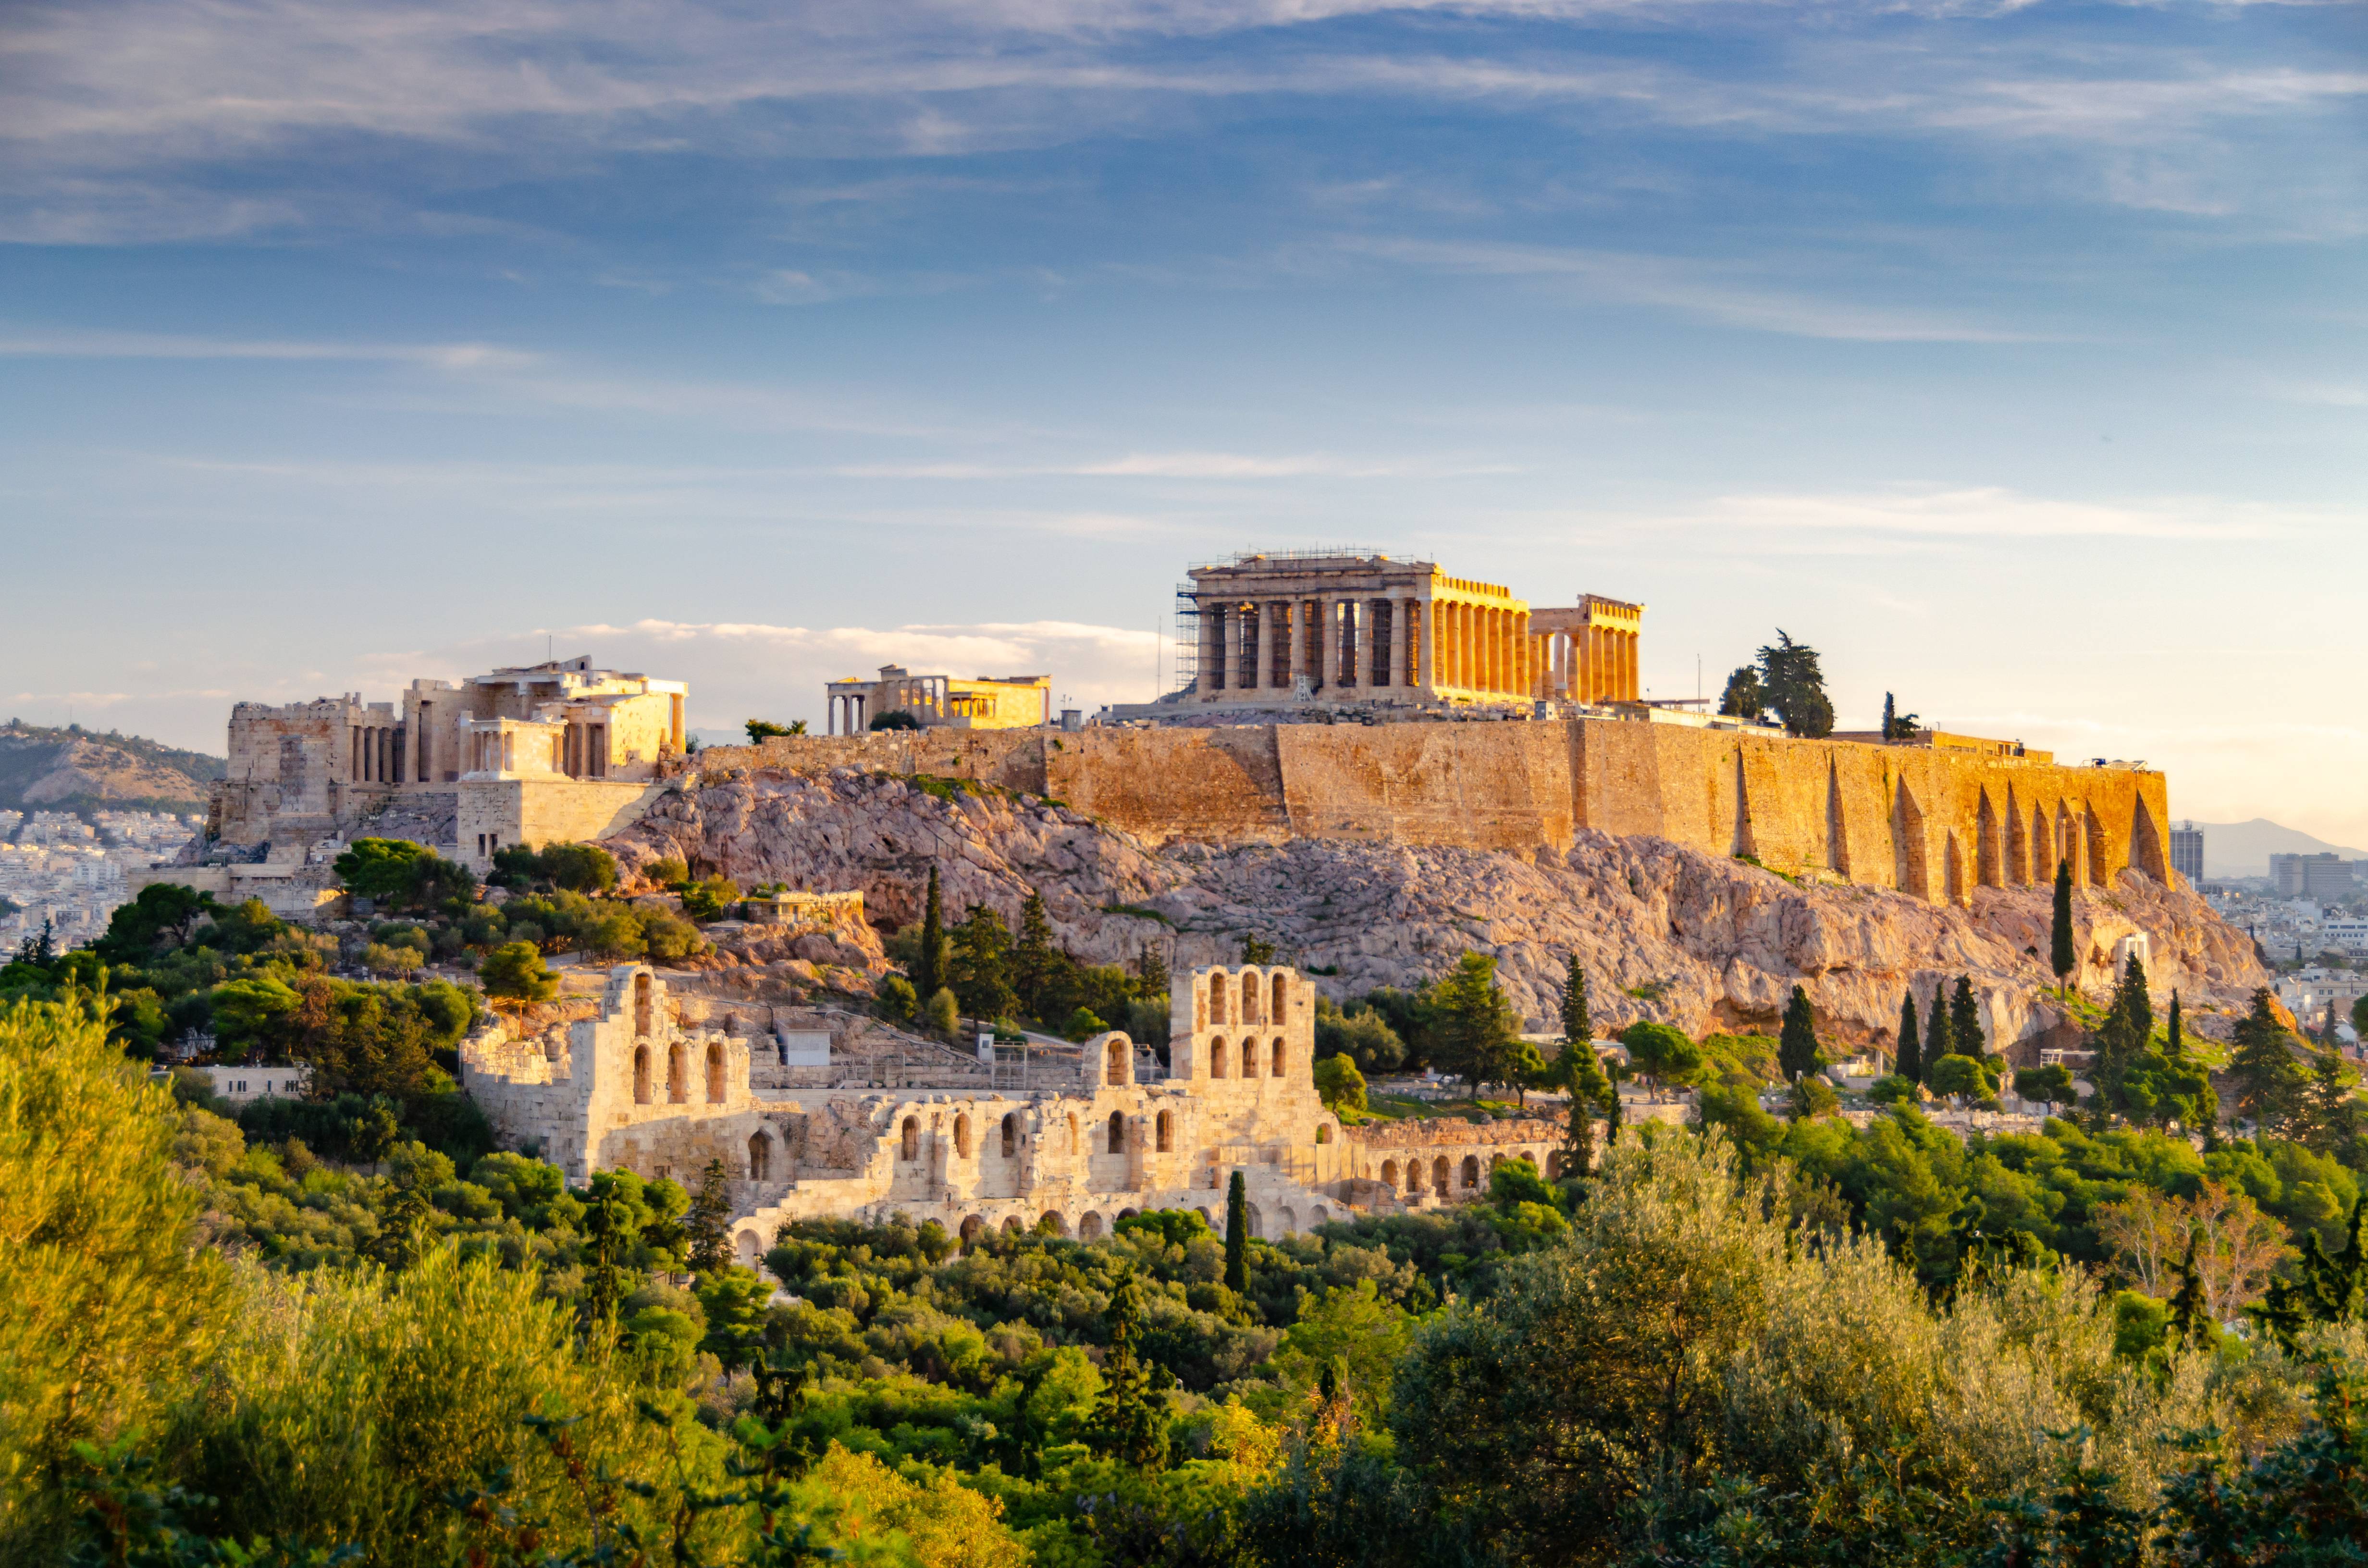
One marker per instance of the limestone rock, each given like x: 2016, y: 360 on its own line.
x: 1664, y: 932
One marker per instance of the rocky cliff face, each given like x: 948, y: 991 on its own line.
x: 1664, y: 932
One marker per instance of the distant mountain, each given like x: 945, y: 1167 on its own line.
x: 2243, y: 848
x: 75, y: 769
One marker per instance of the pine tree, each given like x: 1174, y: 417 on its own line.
x: 1966, y: 1020
x: 1579, y: 1138
x: 1796, y: 1047
x: 1151, y: 972
x: 1034, y: 959
x: 1476, y: 1033
x: 608, y: 1224
x: 1237, y: 1237
x: 1130, y: 1422
x: 2261, y: 1067
x: 2323, y: 1288
x: 1575, y: 1024
x: 706, y: 1225
x: 928, y: 969
x: 1908, y: 1056
x: 1938, y: 1041
x: 2060, y: 956
x: 982, y: 965
x: 2330, y: 1117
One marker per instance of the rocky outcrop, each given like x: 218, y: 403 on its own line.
x: 1664, y: 932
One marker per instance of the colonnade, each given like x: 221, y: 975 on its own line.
x: 377, y: 755
x: 1591, y: 664
x: 1338, y: 640
x: 846, y: 714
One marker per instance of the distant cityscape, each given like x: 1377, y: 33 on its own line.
x: 58, y: 868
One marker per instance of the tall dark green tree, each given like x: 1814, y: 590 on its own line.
x: 2122, y: 1038
x: 2330, y: 1117
x: 1151, y: 972
x: 1796, y: 1046
x: 1938, y: 1040
x: 982, y: 965
x: 1908, y: 1054
x: 1237, y: 1237
x: 608, y: 1225
x: 1897, y: 726
x: 2174, y: 1041
x: 1744, y: 697
x: 1034, y: 960
x: 2322, y: 1288
x: 1474, y: 1023
x: 707, y: 1225
x: 1796, y: 687
x: 2060, y: 956
x: 928, y: 969
x: 2261, y: 1067
x: 1578, y: 1136
x: 1966, y: 1019
x: 1575, y: 1023
x: 2191, y: 1317
x: 1130, y: 1419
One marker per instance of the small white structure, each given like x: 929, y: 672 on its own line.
x: 240, y: 1085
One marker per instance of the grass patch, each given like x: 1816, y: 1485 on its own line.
x: 1651, y: 991
x: 1139, y: 912
x: 1755, y: 861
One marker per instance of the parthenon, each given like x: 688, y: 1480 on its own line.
x: 1365, y: 628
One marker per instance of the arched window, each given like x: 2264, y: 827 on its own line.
x: 761, y: 1157
x: 1414, y: 1176
x: 1249, y: 1058
x: 678, y: 1089
x: 961, y: 1137
x: 1324, y: 1133
x: 1251, y: 1012
x: 1217, y: 998
x: 1554, y: 1165
x: 1390, y: 1175
x: 642, y: 1003
x: 1167, y: 1129
x: 970, y: 1227
x: 714, y: 1072
x: 1439, y: 1175
x: 640, y: 1075
x: 1217, y: 1058
x: 1053, y: 1223
x: 1118, y: 1133
x: 1011, y: 1224
x: 1114, y: 1072
x: 1011, y: 1136
x: 911, y: 1139
x: 1275, y: 1012
x: 1274, y: 1058
x: 1471, y: 1171
x: 1089, y: 1227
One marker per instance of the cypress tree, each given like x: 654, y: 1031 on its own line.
x: 1966, y: 1019
x: 1151, y: 972
x: 1129, y: 1422
x: 1575, y: 1024
x: 704, y: 1226
x: 928, y: 969
x: 1237, y: 1237
x: 1613, y: 1116
x: 1938, y: 1038
x: 1032, y: 959
x: 1796, y: 1048
x: 1907, y: 1057
x: 1579, y: 1138
x: 2174, y: 1043
x: 2059, y: 935
x: 2191, y: 1319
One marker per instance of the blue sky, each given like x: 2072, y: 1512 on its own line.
x: 2011, y: 355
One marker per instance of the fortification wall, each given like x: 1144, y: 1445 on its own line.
x: 1933, y: 822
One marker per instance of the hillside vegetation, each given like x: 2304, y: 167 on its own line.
x: 75, y: 769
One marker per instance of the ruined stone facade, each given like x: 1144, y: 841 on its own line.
x: 1931, y: 821
x: 990, y: 702
x: 1108, y: 1135
x: 1366, y: 629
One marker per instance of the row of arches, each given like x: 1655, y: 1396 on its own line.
x: 678, y: 1082
x: 1091, y: 1226
x: 1248, y: 998
x: 1115, y: 1135
x: 1278, y: 1053
x: 1444, y: 1177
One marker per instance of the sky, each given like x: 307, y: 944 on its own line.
x: 2015, y: 356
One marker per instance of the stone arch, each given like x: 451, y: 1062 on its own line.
x: 1249, y: 1056
x: 1127, y: 1214
x: 1089, y: 1228
x: 970, y: 1227
x: 1471, y: 1172
x: 1217, y: 988
x: 760, y: 1156
x: 1324, y: 1132
x: 678, y: 1088
x: 642, y: 1002
x: 1257, y: 1220
x: 1278, y: 1011
x: 1414, y: 1178
x: 1274, y: 1058
x: 1118, y: 1133
x: 1115, y: 1062
x: 1390, y: 1175
x: 909, y: 1139
x: 1439, y: 1175
x: 1321, y: 1215
x: 1217, y: 1057
x: 1010, y: 1134
x: 714, y: 1072
x: 1253, y: 998
x: 1289, y: 1221
x: 750, y: 1246
x: 1053, y: 1221
x: 1166, y: 1127
x: 1011, y: 1224
x: 1494, y: 1160
x: 1988, y: 856
x: 1204, y: 1216
x: 1554, y: 1165
x: 640, y: 1075
x: 962, y: 1136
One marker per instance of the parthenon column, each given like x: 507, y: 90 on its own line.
x: 1297, y: 654
x: 1409, y: 619
x: 1636, y: 688
x: 1213, y: 633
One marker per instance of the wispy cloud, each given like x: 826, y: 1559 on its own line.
x: 1994, y: 513
x: 50, y: 345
